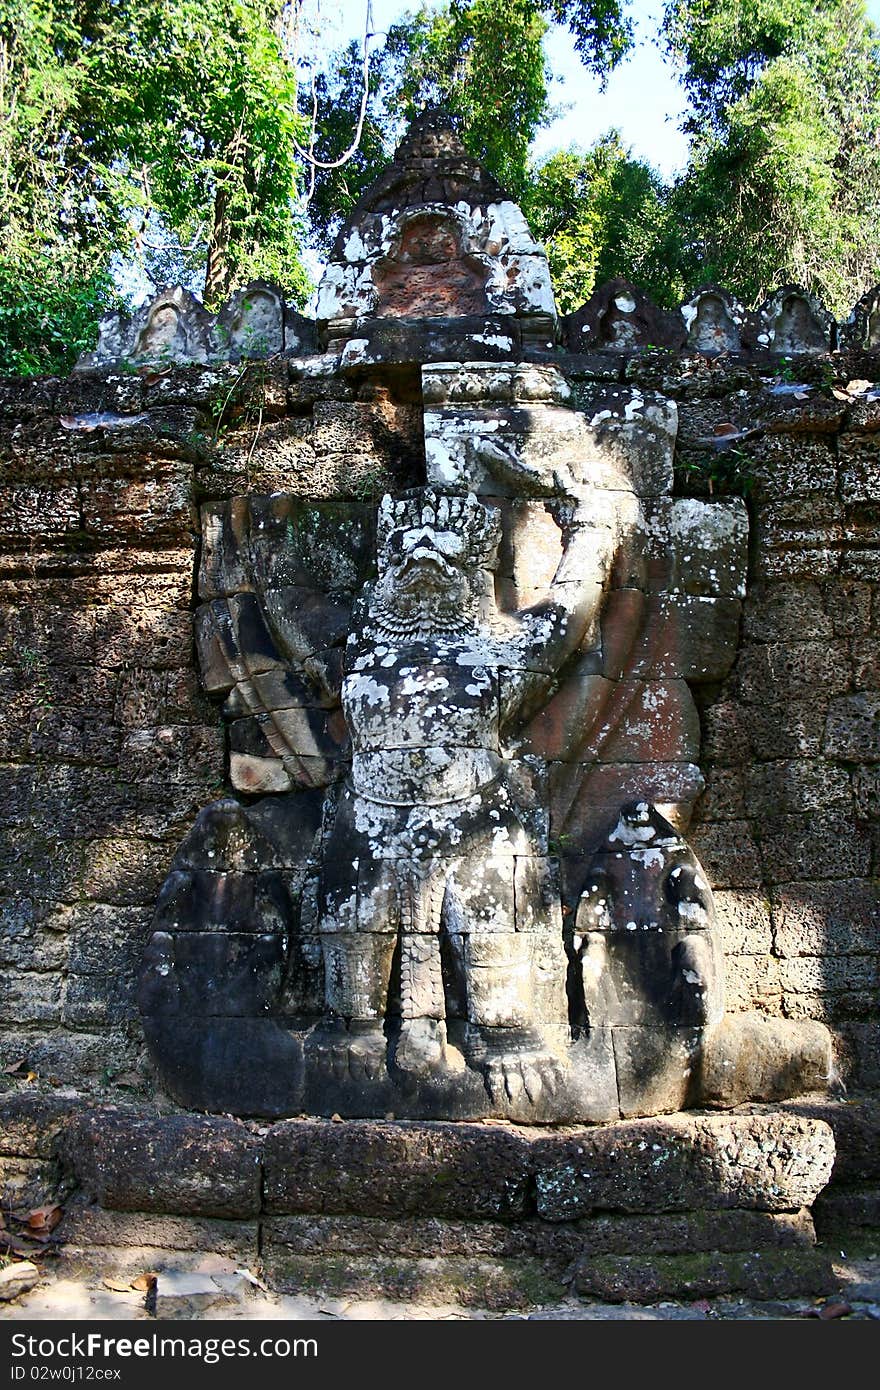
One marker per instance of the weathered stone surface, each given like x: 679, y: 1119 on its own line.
x: 744, y: 922
x: 554, y: 1244
x: 30, y: 1123
x: 855, y: 1122
x: 751, y: 1056
x: 825, y: 845
x: 834, y: 918
x: 471, y: 1283
x: 371, y: 1169
x: 759, y: 1274
x: 729, y: 854
x: 91, y: 1225
x: 768, y: 1163
x: 26, y: 1183
x: 850, y: 1213
x: 853, y: 730
x: 171, y: 1164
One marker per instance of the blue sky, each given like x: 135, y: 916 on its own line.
x: 642, y: 99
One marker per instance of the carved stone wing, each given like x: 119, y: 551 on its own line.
x: 277, y: 580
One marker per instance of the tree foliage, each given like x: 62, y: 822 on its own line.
x: 601, y: 213
x: 160, y: 132
x: 481, y: 60
x: 784, y: 178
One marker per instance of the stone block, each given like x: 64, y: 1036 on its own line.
x: 801, y: 561
x: 90, y: 1226
x: 866, y: 664
x: 30, y: 997
x: 830, y: 974
x: 856, y: 1124
x: 835, y: 918
x: 866, y: 795
x: 28, y: 1182
x: 72, y: 1058
x: 772, y: 1162
x: 853, y: 729
x: 439, y: 1279
x: 724, y: 797
x: 796, y: 784
x: 728, y: 853
x: 755, y: 1058
x: 407, y: 1169
x: 846, y: 1214
x: 783, y: 466
x: 125, y: 871
x: 32, y: 1121
x: 825, y: 845
x: 858, y: 1045
x: 800, y: 524
x: 752, y: 982
x: 859, y: 457
x: 777, y: 671
x: 98, y: 1001
x: 743, y: 918
x: 761, y: 1274
x: 176, y: 1165
x: 786, y: 612
x: 792, y: 728
x: 692, y: 638
x: 183, y: 754
x: 121, y: 633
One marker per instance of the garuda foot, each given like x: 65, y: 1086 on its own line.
x: 518, y: 1066
x: 422, y: 1051
x: 355, y: 1053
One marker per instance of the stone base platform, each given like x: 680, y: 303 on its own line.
x: 490, y: 1214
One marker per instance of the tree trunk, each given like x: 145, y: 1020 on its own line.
x: 218, y: 274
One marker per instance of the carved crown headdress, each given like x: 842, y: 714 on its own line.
x: 442, y: 511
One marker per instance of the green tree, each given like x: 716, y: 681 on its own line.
x: 784, y: 177
x: 601, y: 213
x: 482, y: 60
x: 160, y: 132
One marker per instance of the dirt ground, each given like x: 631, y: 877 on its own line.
x: 81, y: 1287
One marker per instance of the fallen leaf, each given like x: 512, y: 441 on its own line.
x: 857, y: 386
x: 144, y: 1282
x: 115, y: 1284
x: 12, y: 1245
x: 833, y: 1310
x: 32, y: 1076
x: 801, y: 395
x: 44, y: 1218
x: 16, y: 1066
x: 840, y: 395
x: 726, y: 427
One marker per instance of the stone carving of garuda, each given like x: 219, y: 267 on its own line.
x: 436, y: 869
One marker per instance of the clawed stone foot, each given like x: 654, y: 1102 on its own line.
x: 357, y: 1055
x: 529, y: 1077
x: 422, y: 1051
